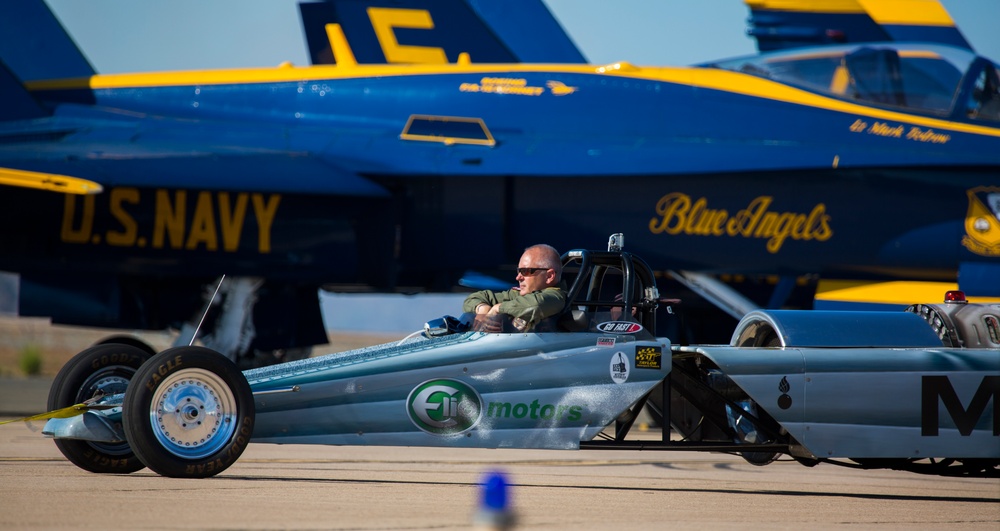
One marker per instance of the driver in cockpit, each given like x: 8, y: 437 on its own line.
x: 540, y: 292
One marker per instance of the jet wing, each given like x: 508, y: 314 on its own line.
x: 258, y: 172
x: 48, y: 181
x: 87, y: 152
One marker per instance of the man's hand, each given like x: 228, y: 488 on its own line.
x: 488, y: 323
x: 488, y: 318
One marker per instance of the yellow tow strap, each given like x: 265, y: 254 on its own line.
x: 64, y: 413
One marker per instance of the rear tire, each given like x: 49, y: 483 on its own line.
x: 190, y: 413
x: 102, y: 369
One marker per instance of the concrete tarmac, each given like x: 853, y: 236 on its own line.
x: 370, y: 488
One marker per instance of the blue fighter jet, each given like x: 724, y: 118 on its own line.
x: 863, y: 162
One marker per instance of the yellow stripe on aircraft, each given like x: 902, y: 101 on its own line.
x: 907, y: 12
x: 901, y: 12
x: 342, y: 53
x: 821, y: 54
x: 715, y: 79
x: 737, y: 83
x: 385, y: 21
x: 808, y: 6
x: 48, y: 181
x: 892, y: 292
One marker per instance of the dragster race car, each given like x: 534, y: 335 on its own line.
x: 915, y: 390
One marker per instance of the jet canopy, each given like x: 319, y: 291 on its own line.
x: 921, y: 78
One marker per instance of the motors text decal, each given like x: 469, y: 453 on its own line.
x: 554, y: 413
x: 937, y: 393
x: 677, y: 213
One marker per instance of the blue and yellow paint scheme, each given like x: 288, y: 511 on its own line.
x: 782, y: 24
x: 859, y: 161
x: 437, y: 32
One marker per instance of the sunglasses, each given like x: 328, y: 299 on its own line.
x: 528, y: 271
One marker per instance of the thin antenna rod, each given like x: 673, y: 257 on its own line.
x: 204, y: 314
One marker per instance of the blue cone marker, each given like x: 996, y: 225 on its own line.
x: 494, y: 512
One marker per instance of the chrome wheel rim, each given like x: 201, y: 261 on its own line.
x: 193, y: 413
x: 111, y: 381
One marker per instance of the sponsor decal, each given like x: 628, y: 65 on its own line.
x: 444, y: 407
x: 982, y: 222
x: 619, y: 327
x: 619, y: 368
x: 535, y: 410
x: 606, y: 341
x: 890, y: 130
x: 648, y: 357
x: 677, y: 213
x: 784, y: 401
x: 515, y: 86
x: 559, y: 88
x: 937, y: 391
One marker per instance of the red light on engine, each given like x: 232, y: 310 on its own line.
x: 955, y: 296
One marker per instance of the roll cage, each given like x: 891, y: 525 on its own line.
x: 612, y: 281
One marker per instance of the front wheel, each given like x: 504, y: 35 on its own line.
x: 102, y: 370
x: 189, y: 413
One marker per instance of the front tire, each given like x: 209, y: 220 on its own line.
x: 99, y: 370
x: 189, y: 413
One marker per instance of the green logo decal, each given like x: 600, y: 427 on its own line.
x: 444, y: 407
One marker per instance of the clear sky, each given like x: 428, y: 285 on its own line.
x: 146, y: 35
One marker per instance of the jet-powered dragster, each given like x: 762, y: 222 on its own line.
x: 914, y: 390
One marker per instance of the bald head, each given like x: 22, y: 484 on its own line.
x: 546, y: 256
x: 539, y: 268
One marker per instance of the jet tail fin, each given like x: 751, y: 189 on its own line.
x: 35, y: 46
x: 782, y: 24
x: 439, y: 31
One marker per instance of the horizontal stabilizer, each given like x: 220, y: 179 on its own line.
x: 784, y: 24
x: 16, y: 103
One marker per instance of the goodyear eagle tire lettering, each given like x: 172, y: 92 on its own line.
x: 189, y: 414
x: 103, y: 369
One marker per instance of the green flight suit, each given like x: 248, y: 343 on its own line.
x: 530, y: 308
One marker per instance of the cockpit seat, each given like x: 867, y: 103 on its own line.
x: 574, y: 320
